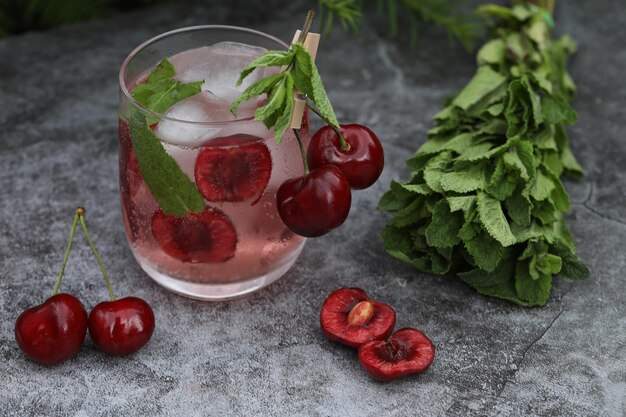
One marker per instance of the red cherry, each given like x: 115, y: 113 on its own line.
x: 208, y: 236
x: 233, y: 168
x: 408, y: 351
x: 362, y: 163
x: 122, y: 326
x: 348, y: 316
x: 52, y: 332
x: 316, y: 203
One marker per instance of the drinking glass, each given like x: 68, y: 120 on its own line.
x: 239, y: 243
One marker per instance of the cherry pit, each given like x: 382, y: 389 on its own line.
x: 350, y: 317
x: 55, y: 330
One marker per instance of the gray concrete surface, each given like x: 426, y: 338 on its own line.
x: 265, y: 355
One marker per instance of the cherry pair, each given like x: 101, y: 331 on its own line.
x: 54, y: 331
x: 350, y: 317
x: 339, y: 159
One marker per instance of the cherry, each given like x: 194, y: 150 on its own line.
x: 315, y: 203
x: 121, y: 327
x: 360, y: 156
x: 52, y: 332
x: 118, y: 327
x: 408, y: 351
x: 348, y: 316
x: 233, y: 168
x: 208, y: 236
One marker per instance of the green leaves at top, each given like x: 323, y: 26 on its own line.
x: 174, y: 192
x: 299, y: 74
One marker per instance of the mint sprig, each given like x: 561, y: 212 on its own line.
x: 174, y: 192
x: 486, y: 201
x: 300, y: 74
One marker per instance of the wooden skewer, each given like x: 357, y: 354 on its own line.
x: 311, y: 43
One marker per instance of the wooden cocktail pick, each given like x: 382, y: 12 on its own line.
x: 311, y: 43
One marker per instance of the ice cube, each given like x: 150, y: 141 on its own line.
x: 219, y: 66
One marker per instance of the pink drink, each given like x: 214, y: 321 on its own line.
x: 265, y: 248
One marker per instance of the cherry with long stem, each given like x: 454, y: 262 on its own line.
x: 55, y: 290
x: 80, y: 214
x: 118, y: 327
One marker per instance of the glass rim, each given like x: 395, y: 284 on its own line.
x: 142, y: 46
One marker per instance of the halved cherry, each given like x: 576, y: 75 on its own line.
x: 408, y: 351
x: 361, y: 162
x: 315, y: 203
x: 348, y: 316
x: 233, y: 168
x: 204, y: 237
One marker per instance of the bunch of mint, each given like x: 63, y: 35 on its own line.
x: 485, y: 201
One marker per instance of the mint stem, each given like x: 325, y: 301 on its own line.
x: 55, y: 290
x: 344, y: 145
x: 302, y: 152
x: 95, y: 253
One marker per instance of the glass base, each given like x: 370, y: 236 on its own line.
x: 219, y: 292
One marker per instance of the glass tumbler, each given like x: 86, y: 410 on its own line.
x: 238, y: 244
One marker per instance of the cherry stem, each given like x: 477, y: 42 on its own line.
x: 308, y: 22
x: 55, y: 290
x: 302, y: 152
x: 343, y: 143
x: 81, y: 215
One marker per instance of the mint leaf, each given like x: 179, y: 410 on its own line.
x: 518, y: 207
x: 174, y: 192
x: 471, y: 178
x: 282, y: 122
x: 168, y: 184
x: 444, y: 227
x: 485, y: 250
x: 464, y: 203
x: 493, y: 220
x: 535, y: 292
x: 571, y: 267
x: 267, y: 59
x: 160, y: 91
x: 307, y: 79
x: 434, y: 170
x: 264, y: 85
x: 484, y: 82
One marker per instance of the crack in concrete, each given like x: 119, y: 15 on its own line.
x: 519, y: 364
x: 604, y: 216
x: 595, y: 211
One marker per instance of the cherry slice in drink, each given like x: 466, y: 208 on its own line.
x: 206, y: 237
x: 234, y: 168
x: 52, y: 332
x: 348, y: 316
x: 408, y: 351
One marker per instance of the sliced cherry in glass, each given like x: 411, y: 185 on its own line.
x: 348, y: 316
x: 362, y: 162
x: 204, y: 237
x: 407, y: 351
x: 233, y: 168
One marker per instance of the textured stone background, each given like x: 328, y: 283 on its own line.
x: 265, y: 355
